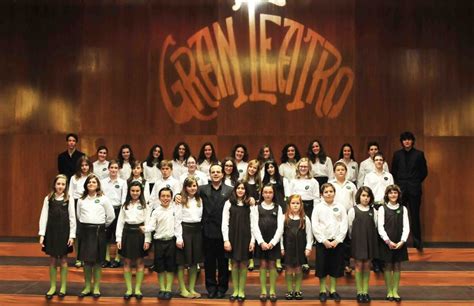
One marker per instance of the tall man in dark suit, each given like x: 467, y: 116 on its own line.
x: 213, y: 198
x: 409, y: 171
x: 67, y: 161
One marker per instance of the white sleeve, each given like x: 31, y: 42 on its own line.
x: 150, y: 223
x: 124, y: 193
x: 309, y: 233
x: 317, y: 198
x: 120, y: 224
x: 289, y: 187
x: 146, y: 193
x: 329, y: 168
x: 252, y: 225
x: 286, y: 186
x: 147, y: 220
x: 315, y: 225
x: 72, y: 218
x: 109, y: 212
x: 406, y: 225
x: 280, y: 224
x: 225, y: 221
x: 380, y: 224
x: 153, y: 200
x: 178, y: 230
x: 72, y: 187
x: 341, y: 235
x: 43, y: 221
x: 350, y: 219
x: 361, y: 175
x: 256, y: 230
x: 385, y: 167
x: 78, y: 208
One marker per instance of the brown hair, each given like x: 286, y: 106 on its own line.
x: 300, y: 213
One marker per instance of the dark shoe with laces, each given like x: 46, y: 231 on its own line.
x: 323, y: 297
x: 335, y: 296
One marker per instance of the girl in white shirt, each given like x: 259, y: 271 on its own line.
x: 151, y: 166
x: 125, y: 159
x: 231, y: 174
x: 101, y: 165
x: 346, y: 155
x: 95, y: 213
x: 207, y: 157
x: 290, y: 155
x: 189, y: 236
x: 191, y: 165
x: 321, y: 164
x: 265, y: 154
x: 268, y: 229
x: 241, y: 156
x: 393, y: 228
x: 57, y: 231
x: 137, y: 173
x: 238, y: 237
x: 181, y: 153
x: 132, y: 244
x: 296, y: 246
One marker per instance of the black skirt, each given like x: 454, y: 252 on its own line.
x: 192, y: 253
x: 165, y: 255
x: 92, y: 243
x: 110, y: 231
x: 329, y: 261
x: 392, y: 256
x: 57, y: 229
x: 132, y: 242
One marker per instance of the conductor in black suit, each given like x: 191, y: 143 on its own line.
x: 214, y: 196
x: 409, y: 170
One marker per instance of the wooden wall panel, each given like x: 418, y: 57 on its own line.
x: 94, y: 68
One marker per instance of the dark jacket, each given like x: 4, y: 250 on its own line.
x: 212, y: 209
x: 409, y: 169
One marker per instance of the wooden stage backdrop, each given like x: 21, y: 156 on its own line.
x: 144, y: 72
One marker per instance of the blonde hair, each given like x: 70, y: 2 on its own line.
x: 257, y: 178
x: 188, y: 182
x: 302, y: 160
x: 65, y: 192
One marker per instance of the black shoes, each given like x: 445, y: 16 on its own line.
x: 323, y: 297
x: 262, y: 298
x: 106, y: 264
x: 84, y: 294
x: 49, y: 296
x: 61, y: 294
x: 114, y: 264
x: 298, y: 295
x: 139, y: 296
x: 127, y: 296
x: 241, y: 298
x: 360, y: 298
x: 212, y: 295
x: 289, y: 295
x: 220, y: 295
x: 335, y: 296
x: 418, y: 244
x: 273, y: 298
x: 232, y: 298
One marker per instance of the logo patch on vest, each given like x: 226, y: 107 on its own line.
x: 117, y: 186
x: 241, y: 170
x: 306, y: 187
x: 398, y: 211
x: 140, y: 207
x: 97, y: 201
x: 385, y: 178
x: 348, y: 187
x: 335, y: 209
x: 353, y: 167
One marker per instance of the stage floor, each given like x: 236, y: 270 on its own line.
x: 438, y: 276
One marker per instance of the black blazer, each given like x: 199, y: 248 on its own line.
x: 212, y: 210
x: 409, y: 169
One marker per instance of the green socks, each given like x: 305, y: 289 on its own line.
x: 97, y: 276
x: 263, y: 281
x: 169, y: 281
x: 365, y: 282
x: 107, y: 253
x: 161, y: 281
x: 395, y: 284
x: 192, y: 278
x: 359, y: 280
x: 64, y: 271
x: 235, y: 281
x: 298, y: 281
x: 139, y: 281
x: 52, y: 280
x: 333, y: 284
x: 273, y: 278
x: 388, y: 282
x: 289, y: 281
x: 251, y: 264
x: 182, y: 287
x: 117, y: 257
x: 278, y: 264
x: 87, y: 279
x: 242, y: 281
x: 128, y: 282
x: 322, y: 284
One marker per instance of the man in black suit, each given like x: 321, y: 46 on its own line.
x: 213, y: 198
x: 409, y: 171
x: 67, y: 161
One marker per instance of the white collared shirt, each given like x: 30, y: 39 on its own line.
x: 321, y: 170
x: 43, y: 222
x: 125, y: 171
x: 115, y: 190
x: 256, y: 229
x: 366, y: 167
x: 152, y: 173
x: 308, y: 229
x: 329, y: 221
x: 308, y: 189
x: 242, y: 168
x: 95, y: 210
x: 378, y: 182
x: 288, y: 170
x: 76, y: 186
x: 204, y: 168
x: 170, y: 182
x: 101, y: 170
x: 163, y: 222
x: 200, y: 177
x: 135, y: 213
x: 226, y: 219
x: 192, y: 213
x: 345, y: 193
x: 352, y: 170
x: 179, y: 167
x: 381, y: 222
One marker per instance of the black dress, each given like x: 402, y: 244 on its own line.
x: 294, y: 240
x: 268, y: 224
x: 393, y: 225
x: 254, y: 191
x: 57, y: 229
x: 364, y: 235
x: 239, y: 232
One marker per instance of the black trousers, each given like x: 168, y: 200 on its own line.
x: 412, y: 201
x: 214, y: 259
